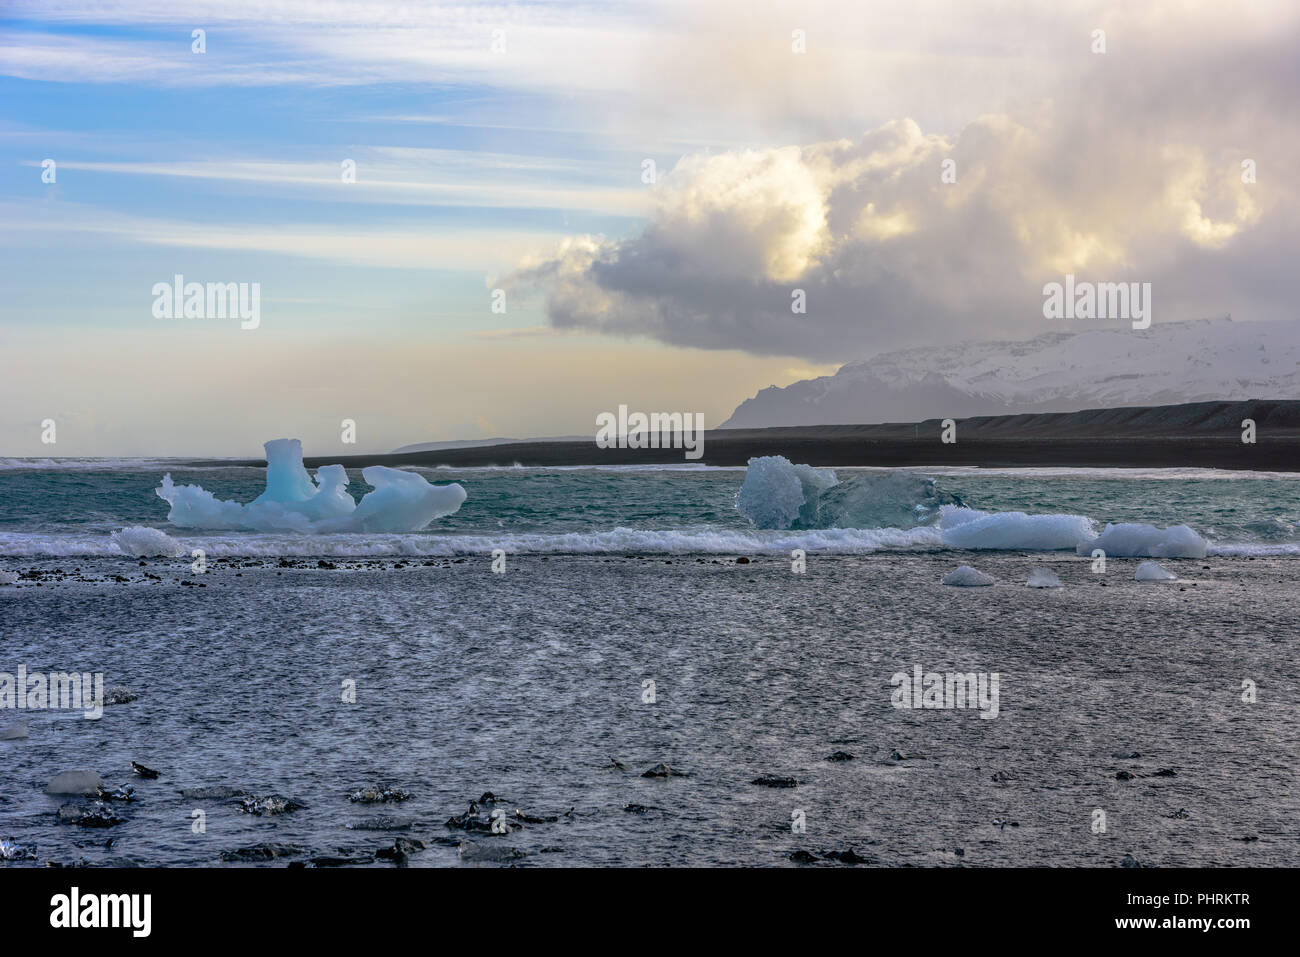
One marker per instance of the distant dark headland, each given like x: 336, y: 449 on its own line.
x: 1199, y: 434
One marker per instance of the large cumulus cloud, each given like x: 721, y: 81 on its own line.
x: 1133, y: 174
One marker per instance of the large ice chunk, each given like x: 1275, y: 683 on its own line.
x: 401, y: 501
x: 778, y: 494
x: 286, y: 478
x: 1128, y: 539
x: 973, y: 529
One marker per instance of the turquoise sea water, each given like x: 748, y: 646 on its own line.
x: 53, y: 511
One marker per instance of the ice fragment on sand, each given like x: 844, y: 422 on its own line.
x: 966, y: 577
x: 1151, y: 572
x: 1043, y: 578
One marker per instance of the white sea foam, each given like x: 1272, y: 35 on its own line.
x: 71, y: 464
x: 699, y: 540
x: 140, y: 541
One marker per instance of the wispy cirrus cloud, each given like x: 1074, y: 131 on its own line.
x: 403, y: 176
x: 365, y: 245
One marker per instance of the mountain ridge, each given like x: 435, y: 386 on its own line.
x: 1172, y: 363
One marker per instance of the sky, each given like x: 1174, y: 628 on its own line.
x: 638, y: 188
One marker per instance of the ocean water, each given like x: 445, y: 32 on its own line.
x: 533, y: 684
x: 74, y: 511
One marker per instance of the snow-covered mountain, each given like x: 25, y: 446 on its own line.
x: 1169, y: 363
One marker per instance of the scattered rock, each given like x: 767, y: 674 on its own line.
x: 617, y: 764
x: 1002, y: 776
x: 216, y: 792
x: 846, y: 857
x: 74, y: 782
x: 470, y: 851
x: 742, y: 560
x: 804, y: 857
x: 472, y: 820
x: 119, y: 695
x: 11, y: 850
x: 1181, y: 814
x: 839, y: 756
x: 1125, y: 775
x: 532, y: 819
x: 897, y: 755
x: 1125, y: 755
x: 125, y: 793
x: 344, y: 858
x: 96, y: 815
x: 400, y: 852
x: 663, y: 771
x: 379, y: 824
x: 144, y: 772
x: 271, y: 804
x: 1129, y: 861
x: 261, y: 852
x: 1164, y: 773
x: 773, y: 781
x: 379, y: 794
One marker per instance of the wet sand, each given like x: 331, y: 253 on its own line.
x: 529, y: 685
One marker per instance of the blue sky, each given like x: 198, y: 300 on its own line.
x: 503, y: 146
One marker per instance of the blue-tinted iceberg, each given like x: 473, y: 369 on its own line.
x: 778, y: 494
x: 1129, y: 539
x: 401, y: 501
x: 973, y: 529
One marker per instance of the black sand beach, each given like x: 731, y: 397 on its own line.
x: 1115, y: 695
